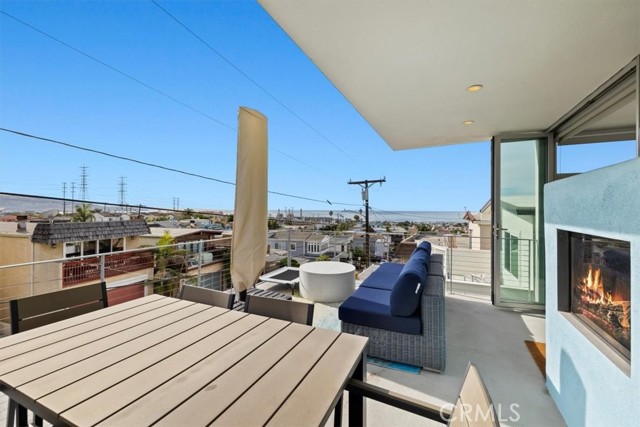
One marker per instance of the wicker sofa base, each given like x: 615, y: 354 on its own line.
x: 428, y: 349
x: 417, y: 350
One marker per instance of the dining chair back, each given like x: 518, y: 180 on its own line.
x: 39, y: 310
x: 207, y: 296
x: 292, y: 311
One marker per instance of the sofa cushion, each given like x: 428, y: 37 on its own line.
x: 423, y: 246
x: 384, y: 277
x: 370, y: 307
x: 406, y: 292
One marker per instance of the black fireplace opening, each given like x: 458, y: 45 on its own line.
x: 594, y: 284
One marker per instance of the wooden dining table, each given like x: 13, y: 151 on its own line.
x: 169, y: 362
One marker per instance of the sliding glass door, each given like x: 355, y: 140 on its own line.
x: 519, y: 174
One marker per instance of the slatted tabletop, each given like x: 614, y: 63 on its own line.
x: 168, y: 362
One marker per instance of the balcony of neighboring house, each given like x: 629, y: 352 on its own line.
x: 98, y: 268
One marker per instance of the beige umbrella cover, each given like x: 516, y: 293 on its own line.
x: 249, y: 241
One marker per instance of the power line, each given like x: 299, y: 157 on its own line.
x: 255, y: 83
x: 150, y: 87
x: 122, y: 73
x: 166, y: 168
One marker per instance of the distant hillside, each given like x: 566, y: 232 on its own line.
x: 29, y: 204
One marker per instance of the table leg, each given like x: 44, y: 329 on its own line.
x: 357, y: 404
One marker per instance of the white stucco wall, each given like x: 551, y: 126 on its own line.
x: 587, y: 385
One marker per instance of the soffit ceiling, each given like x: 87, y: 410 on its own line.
x: 405, y: 65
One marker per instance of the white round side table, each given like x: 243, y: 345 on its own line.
x: 327, y: 281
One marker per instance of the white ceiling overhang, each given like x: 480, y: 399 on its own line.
x: 405, y: 65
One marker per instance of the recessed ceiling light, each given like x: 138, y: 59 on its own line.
x: 468, y: 122
x: 474, y: 88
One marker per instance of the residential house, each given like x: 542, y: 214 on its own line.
x: 544, y: 82
x: 339, y: 246
x: 290, y: 240
x: 26, y: 242
x: 110, y: 216
x: 316, y: 245
x: 308, y: 244
x: 360, y: 239
x: 480, y: 227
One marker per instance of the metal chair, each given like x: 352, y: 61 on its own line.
x: 292, y: 311
x: 473, y: 407
x: 207, y: 296
x: 39, y: 310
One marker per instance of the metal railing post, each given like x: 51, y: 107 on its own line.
x: 102, y: 274
x: 450, y: 268
x: 533, y: 283
x: 200, y: 255
x: 289, y: 248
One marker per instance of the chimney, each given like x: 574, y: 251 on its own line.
x: 22, y: 224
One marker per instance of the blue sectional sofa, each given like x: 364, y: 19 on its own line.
x: 400, y: 307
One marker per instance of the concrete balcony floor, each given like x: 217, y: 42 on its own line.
x: 491, y: 338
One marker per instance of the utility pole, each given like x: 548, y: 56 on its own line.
x: 64, y: 198
x: 365, y: 197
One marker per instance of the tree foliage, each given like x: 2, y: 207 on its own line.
x: 345, y: 225
x: 83, y: 213
x: 358, y: 252
x: 273, y: 224
x: 283, y: 263
x: 170, y: 264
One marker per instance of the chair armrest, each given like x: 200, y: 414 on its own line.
x: 400, y: 401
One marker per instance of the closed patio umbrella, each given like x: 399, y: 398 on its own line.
x: 249, y: 241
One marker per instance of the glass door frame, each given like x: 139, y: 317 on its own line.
x: 496, y: 217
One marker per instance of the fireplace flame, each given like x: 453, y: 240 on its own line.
x: 595, y: 288
x: 594, y: 293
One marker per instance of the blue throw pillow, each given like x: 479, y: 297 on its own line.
x: 407, y: 290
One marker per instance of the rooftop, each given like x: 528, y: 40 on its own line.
x: 80, y: 231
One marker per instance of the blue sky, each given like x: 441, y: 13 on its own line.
x: 49, y: 90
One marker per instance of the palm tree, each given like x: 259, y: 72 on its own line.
x: 83, y: 213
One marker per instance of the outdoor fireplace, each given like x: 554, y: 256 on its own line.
x: 597, y: 285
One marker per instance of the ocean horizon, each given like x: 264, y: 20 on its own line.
x: 376, y: 215
x: 36, y: 205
